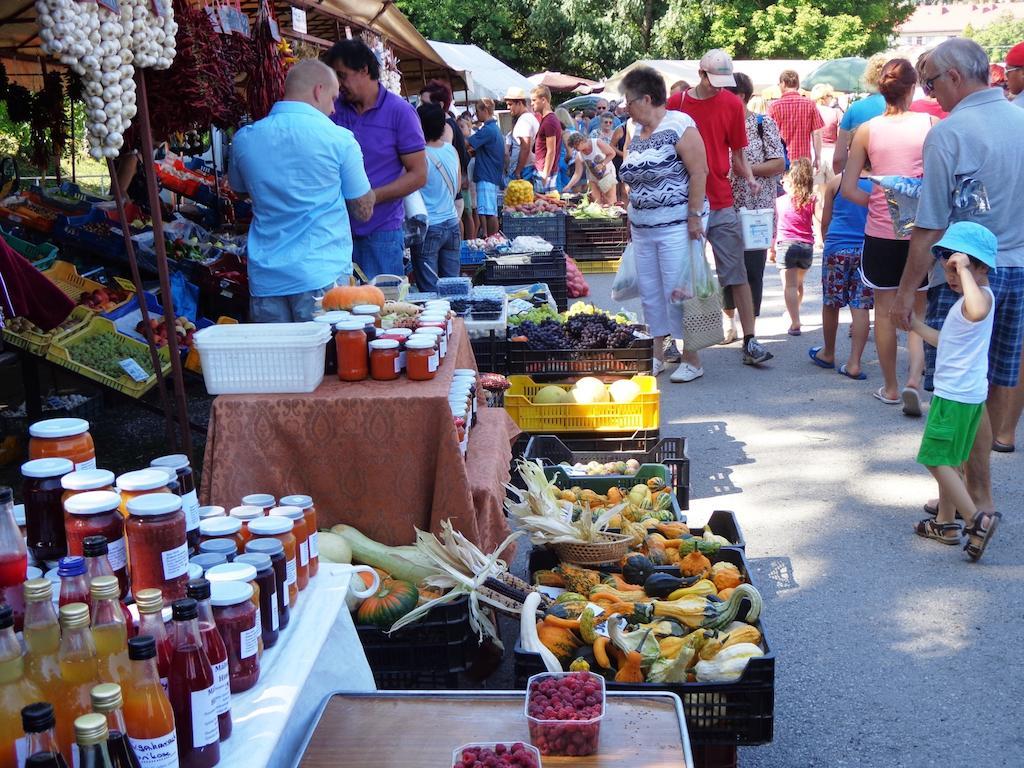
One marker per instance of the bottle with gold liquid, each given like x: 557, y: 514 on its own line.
x: 42, y: 663
x: 109, y: 631
x: 77, y: 657
x: 147, y: 710
x: 16, y: 692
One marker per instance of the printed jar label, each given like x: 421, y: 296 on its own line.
x: 175, y: 561
x: 220, y: 694
x: 20, y: 751
x: 401, y: 361
x: 161, y: 752
x: 259, y: 619
x: 117, y: 554
x: 398, y: 364
x: 314, y: 544
x: 444, y: 345
x: 274, y: 618
x: 76, y: 756
x: 249, y: 641
x: 433, y: 362
x: 204, y: 717
x: 291, y: 577
x: 304, y: 554
x: 90, y: 464
x: 190, y: 506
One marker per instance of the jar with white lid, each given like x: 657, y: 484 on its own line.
x: 239, y: 626
x: 62, y: 439
x: 434, y: 333
x: 264, y: 501
x: 279, y: 528
x: 157, y: 544
x: 205, y: 513
x: 222, y: 528
x: 139, y: 483
x: 244, y: 573
x: 364, y: 311
x: 385, y: 362
x: 331, y: 356
x: 97, y: 513
x: 42, y: 494
x: 179, y: 464
x: 226, y: 548
x: 300, y: 530
x: 422, y: 358
x: 305, y: 503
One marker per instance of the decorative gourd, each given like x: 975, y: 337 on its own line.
x: 655, y: 547
x: 580, y: 580
x: 406, y: 563
x: 601, y: 652
x: 674, y: 530
x: 725, y: 575
x: 579, y: 665
x: 518, y: 192
x: 588, y: 622
x: 561, y: 642
x: 622, y: 596
x: 393, y: 600
x: 655, y: 484
x: 695, y: 564
x: 333, y: 548
x: 696, y: 611
x: 546, y: 578
x: 630, y: 672
x: 740, y: 632
x: 701, y: 588
x: 636, y: 569
x: 528, y: 636
x: 661, y: 585
x: 348, y: 296
x: 728, y: 664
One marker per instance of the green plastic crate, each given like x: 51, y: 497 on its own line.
x: 42, y: 255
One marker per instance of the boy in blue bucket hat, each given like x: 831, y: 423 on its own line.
x: 968, y: 254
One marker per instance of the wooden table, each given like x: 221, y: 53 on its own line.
x: 393, y: 729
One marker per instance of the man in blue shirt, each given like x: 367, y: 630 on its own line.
x: 599, y: 110
x: 488, y: 146
x: 304, y: 175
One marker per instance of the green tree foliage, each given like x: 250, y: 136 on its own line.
x: 998, y: 37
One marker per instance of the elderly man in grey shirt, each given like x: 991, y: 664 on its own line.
x: 973, y: 170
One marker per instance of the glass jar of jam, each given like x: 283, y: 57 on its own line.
x: 431, y: 319
x: 305, y: 503
x: 331, y: 356
x: 83, y: 480
x: 353, y: 355
x: 222, y: 528
x: 242, y: 572
x: 264, y: 501
x: 239, y: 628
x: 41, y: 492
x: 227, y: 548
x: 97, y: 513
x: 384, y: 363
x: 187, y: 490
x: 139, y: 483
x: 437, y: 333
x: 207, y: 560
x: 205, y: 513
x: 400, y: 335
x: 267, y: 582
x: 62, y: 439
x: 273, y: 549
x: 279, y: 528
x: 245, y: 515
x: 367, y: 311
x: 301, y: 533
x: 422, y: 358
x: 157, y: 544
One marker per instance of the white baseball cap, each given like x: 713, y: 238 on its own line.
x: 717, y: 65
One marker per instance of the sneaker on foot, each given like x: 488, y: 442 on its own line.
x: 685, y: 373
x: 755, y: 353
x: 672, y: 354
x: 657, y: 367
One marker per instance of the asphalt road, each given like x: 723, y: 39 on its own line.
x: 891, y: 650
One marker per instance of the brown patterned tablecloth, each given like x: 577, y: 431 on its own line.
x: 382, y: 456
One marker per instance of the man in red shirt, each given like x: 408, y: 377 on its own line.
x: 798, y: 119
x: 721, y: 121
x: 548, y: 142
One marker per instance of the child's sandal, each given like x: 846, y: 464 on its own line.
x: 930, y: 529
x: 973, y: 549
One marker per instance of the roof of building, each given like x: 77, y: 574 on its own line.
x: 953, y: 18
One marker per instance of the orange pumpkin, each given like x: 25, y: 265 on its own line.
x: 348, y: 296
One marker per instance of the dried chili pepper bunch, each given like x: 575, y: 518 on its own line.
x: 266, y: 80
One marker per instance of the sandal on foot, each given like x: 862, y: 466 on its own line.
x: 930, y: 529
x: 843, y: 371
x: 975, y: 549
x: 933, y: 511
x: 879, y: 394
x: 911, y: 401
x: 813, y: 354
x: 1003, y: 447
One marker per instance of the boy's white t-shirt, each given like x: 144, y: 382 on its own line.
x: 961, y: 362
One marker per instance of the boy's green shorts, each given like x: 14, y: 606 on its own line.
x: 949, y: 434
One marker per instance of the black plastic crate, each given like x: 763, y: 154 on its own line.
x: 426, y: 655
x: 740, y: 712
x: 596, y: 239
x: 562, y: 364
x: 670, y: 451
x: 490, y: 352
x: 541, y: 268
x: 551, y: 227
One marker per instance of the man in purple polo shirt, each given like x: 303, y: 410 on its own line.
x: 388, y: 131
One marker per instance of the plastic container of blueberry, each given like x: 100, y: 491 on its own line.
x: 574, y: 737
x: 503, y: 754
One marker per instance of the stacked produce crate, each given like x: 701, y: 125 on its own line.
x: 596, y: 236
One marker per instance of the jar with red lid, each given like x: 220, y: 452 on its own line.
x: 279, y: 528
x: 353, y: 352
x: 301, y: 532
x: 264, y: 501
x: 62, y: 439
x: 437, y: 333
x: 239, y: 628
x: 422, y: 358
x: 41, y: 493
x: 157, y: 544
x: 273, y: 549
x: 384, y: 363
x: 367, y: 311
x: 139, y: 483
x: 97, y: 513
x: 267, y: 581
x: 222, y: 528
x: 305, y: 503
x: 178, y: 462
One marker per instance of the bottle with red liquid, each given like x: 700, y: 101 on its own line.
x: 38, y: 722
x: 216, y: 651
x: 13, y: 559
x: 106, y: 700
x: 150, y: 603
x: 191, y: 688
x: 74, y: 581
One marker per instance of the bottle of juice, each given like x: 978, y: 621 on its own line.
x: 96, y: 551
x: 77, y: 657
x: 37, y: 720
x: 106, y: 700
x: 147, y: 710
x: 13, y: 558
x: 216, y: 651
x: 42, y: 663
x: 150, y: 603
x: 91, y: 738
x: 109, y: 633
x: 191, y: 687
x: 74, y: 582
x: 16, y: 692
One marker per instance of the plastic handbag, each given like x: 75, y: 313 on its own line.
x: 626, y: 284
x: 702, y: 314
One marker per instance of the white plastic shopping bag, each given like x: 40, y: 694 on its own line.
x: 626, y: 284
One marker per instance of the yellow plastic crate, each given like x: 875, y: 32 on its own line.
x: 602, y: 266
x: 60, y: 352
x: 38, y: 343
x: 65, y: 276
x: 642, y: 413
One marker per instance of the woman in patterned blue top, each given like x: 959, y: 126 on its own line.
x: 666, y: 169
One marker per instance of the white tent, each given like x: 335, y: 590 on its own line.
x: 764, y: 73
x: 486, y: 76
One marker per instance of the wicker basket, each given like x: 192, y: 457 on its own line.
x: 609, y: 549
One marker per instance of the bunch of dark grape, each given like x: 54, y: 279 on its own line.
x: 597, y: 331
x: 549, y: 334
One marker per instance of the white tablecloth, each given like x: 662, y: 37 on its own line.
x: 318, y: 653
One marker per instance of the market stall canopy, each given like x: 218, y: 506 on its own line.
x: 485, y: 76
x: 556, y: 81
x: 844, y: 75
x: 764, y: 72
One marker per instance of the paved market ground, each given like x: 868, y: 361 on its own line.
x: 891, y: 650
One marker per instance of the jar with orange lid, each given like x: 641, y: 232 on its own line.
x: 97, y: 513
x: 139, y: 483
x: 353, y: 352
x: 279, y: 528
x: 305, y: 503
x: 223, y: 528
x: 44, y: 513
x: 243, y: 573
x: 246, y: 514
x: 421, y: 358
x: 384, y: 363
x: 156, y: 543
x: 264, y: 501
x: 436, y: 333
x: 85, y: 480
x: 62, y: 439
x: 301, y: 533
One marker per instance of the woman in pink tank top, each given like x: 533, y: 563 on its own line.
x: 890, y: 145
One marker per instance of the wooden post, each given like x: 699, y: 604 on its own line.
x: 154, y: 354
x: 161, y: 262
